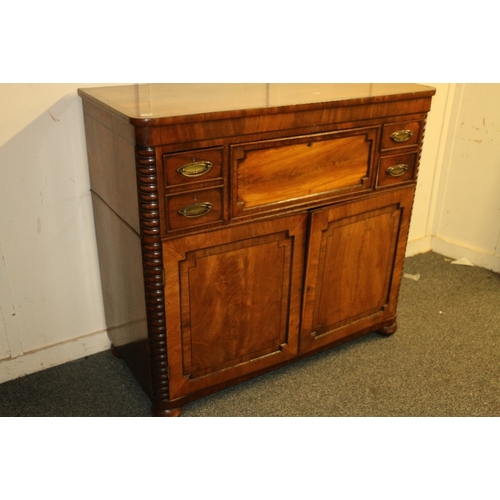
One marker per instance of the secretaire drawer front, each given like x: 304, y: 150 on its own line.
x: 398, y: 135
x: 192, y: 166
x: 270, y: 174
x: 195, y: 208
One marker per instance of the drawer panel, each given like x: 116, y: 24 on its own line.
x: 194, y: 208
x: 396, y: 169
x: 269, y: 174
x: 192, y: 166
x: 399, y: 135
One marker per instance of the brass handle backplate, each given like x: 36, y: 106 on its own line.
x: 397, y: 170
x: 195, y: 169
x: 401, y: 135
x: 196, y: 210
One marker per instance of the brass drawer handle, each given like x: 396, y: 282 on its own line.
x: 195, y: 169
x: 196, y: 210
x: 401, y: 135
x: 397, y: 170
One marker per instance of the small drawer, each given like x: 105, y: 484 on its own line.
x: 192, y: 166
x: 399, y: 135
x: 194, y: 209
x: 396, y: 169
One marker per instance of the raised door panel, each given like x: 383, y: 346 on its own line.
x: 356, y: 254
x: 233, y: 301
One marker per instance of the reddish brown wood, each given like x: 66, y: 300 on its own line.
x: 408, y: 160
x: 170, y: 412
x: 173, y: 164
x: 273, y: 174
x: 388, y: 330
x: 298, y: 244
x: 114, y: 351
x: 233, y: 301
x: 213, y: 198
x: 390, y: 142
x: 355, y: 255
x: 149, y: 217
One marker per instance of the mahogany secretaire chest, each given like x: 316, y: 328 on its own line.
x: 241, y: 227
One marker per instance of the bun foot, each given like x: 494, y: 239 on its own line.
x: 388, y: 330
x: 114, y: 351
x: 172, y: 412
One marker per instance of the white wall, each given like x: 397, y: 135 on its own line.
x: 419, y: 239
x: 50, y: 298
x: 467, y: 215
x: 459, y: 181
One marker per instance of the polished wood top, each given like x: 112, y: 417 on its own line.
x: 155, y: 104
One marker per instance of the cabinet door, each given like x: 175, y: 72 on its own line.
x: 355, y: 259
x: 233, y: 299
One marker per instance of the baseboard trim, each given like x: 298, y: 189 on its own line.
x: 415, y: 247
x: 54, y: 355
x: 453, y: 251
x: 476, y: 257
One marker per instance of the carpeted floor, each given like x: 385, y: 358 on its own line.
x: 444, y: 360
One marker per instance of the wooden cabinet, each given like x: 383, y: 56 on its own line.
x: 243, y: 227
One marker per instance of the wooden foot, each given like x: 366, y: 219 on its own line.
x: 114, y: 351
x: 172, y: 412
x: 388, y: 330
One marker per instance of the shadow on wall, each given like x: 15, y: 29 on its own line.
x: 49, y: 279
